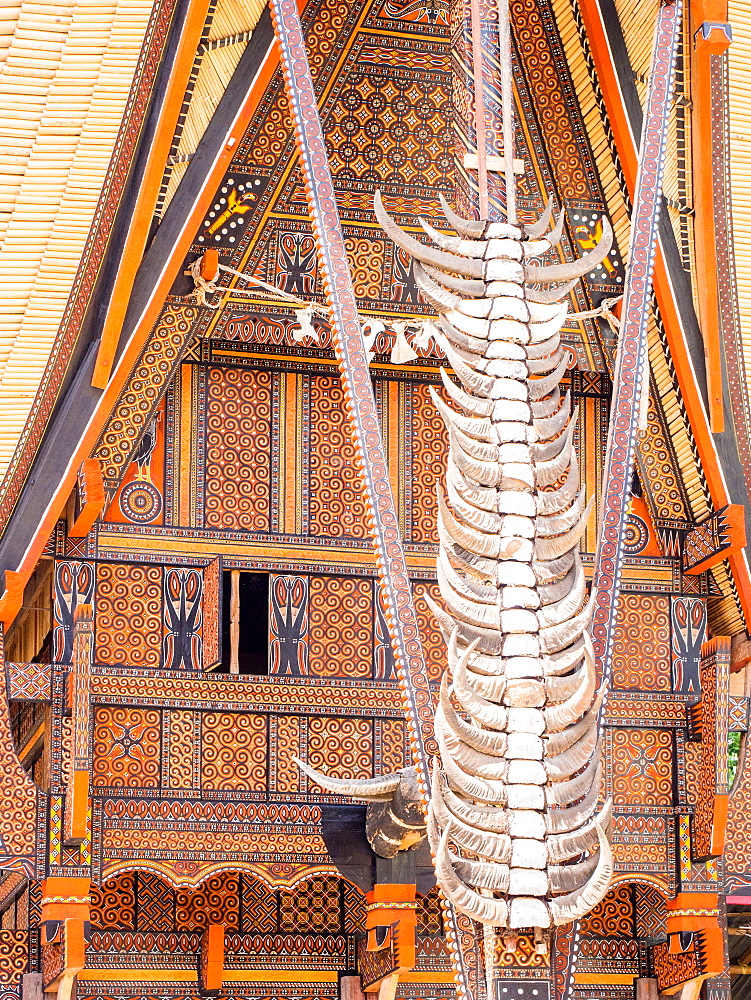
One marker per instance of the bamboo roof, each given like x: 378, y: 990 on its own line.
x: 231, y: 26
x: 65, y: 74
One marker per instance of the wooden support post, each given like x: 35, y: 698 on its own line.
x: 646, y: 989
x: 64, y: 921
x: 211, y: 969
x: 712, y: 36
x: 350, y: 988
x: 234, y: 622
x: 77, y: 791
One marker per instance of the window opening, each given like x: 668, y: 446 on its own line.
x: 245, y: 623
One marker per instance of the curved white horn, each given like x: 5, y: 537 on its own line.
x: 542, y: 386
x: 369, y: 789
x: 562, y: 846
x: 575, y: 268
x: 547, y: 548
x: 490, y: 742
x: 476, y: 407
x: 552, y: 524
x: 567, y: 878
x: 428, y: 255
x: 472, y: 228
x: 483, y: 909
x: 558, y: 637
x: 536, y: 229
x: 476, y: 427
x: 546, y: 296
x: 455, y: 244
x: 558, y: 743
x: 438, y: 297
x: 565, y: 909
x: 463, y: 286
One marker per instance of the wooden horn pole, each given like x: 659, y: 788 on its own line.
x: 481, y: 136
x: 507, y: 109
x: 363, y: 418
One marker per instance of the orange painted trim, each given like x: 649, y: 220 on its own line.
x: 148, y: 193
x: 9, y: 607
x: 137, y: 975
x: 687, y: 382
x: 427, y: 977
x: 64, y: 897
x: 704, y: 229
x: 719, y: 824
x: 12, y: 599
x: 91, y: 484
x: 605, y: 979
x: 709, y: 10
x: 213, y: 978
x: 79, y: 807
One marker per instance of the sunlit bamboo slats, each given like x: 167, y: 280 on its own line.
x: 65, y: 74
x: 230, y: 29
x: 739, y: 55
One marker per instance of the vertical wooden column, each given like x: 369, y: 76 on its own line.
x: 75, y: 826
x: 234, y: 622
x: 711, y: 37
x: 476, y: 21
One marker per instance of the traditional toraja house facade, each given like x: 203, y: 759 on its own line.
x: 372, y: 623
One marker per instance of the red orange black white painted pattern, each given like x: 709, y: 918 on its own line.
x: 361, y: 408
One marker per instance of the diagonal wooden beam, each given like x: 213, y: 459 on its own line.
x: 83, y: 411
x: 179, y: 65
x: 719, y: 453
x: 630, y: 376
x: 365, y: 429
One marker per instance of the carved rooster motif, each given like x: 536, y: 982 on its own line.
x: 514, y: 823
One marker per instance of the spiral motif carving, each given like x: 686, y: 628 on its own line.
x: 238, y: 449
x: 659, y: 465
x: 233, y: 751
x: 341, y: 625
x: 432, y: 641
x: 113, y: 905
x: 641, y: 643
x: 129, y: 615
x: 641, y: 766
x: 337, y: 508
x: 366, y: 258
x: 430, y: 448
x: 127, y: 750
x: 14, y: 959
x: 613, y: 917
x: 341, y: 747
x: 216, y: 901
